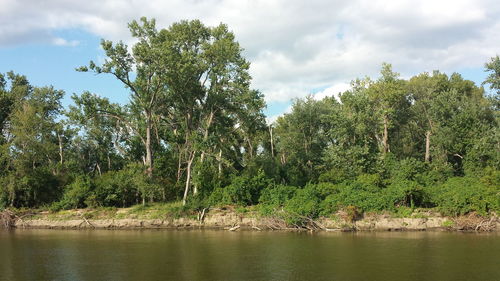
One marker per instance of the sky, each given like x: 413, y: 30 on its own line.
x: 296, y: 48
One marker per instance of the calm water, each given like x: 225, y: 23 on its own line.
x: 221, y: 255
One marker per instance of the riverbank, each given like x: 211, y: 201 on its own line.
x: 162, y: 217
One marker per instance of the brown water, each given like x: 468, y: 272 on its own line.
x: 245, y: 255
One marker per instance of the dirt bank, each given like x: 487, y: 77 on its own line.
x: 232, y: 220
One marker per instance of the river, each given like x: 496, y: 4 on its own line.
x: 246, y: 255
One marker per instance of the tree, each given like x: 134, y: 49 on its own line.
x: 391, y: 104
x: 494, y: 77
x: 33, y: 142
x: 208, y: 85
x: 143, y: 74
x: 302, y: 138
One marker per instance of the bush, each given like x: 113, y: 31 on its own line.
x: 243, y: 191
x: 362, y: 196
x: 75, y: 194
x: 277, y: 195
x: 462, y: 195
x: 124, y: 188
x: 305, y: 204
x: 405, y: 193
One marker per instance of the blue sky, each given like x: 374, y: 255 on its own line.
x: 295, y: 48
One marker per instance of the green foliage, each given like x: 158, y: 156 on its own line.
x: 75, y: 194
x: 404, y: 193
x: 363, y: 197
x: 304, y: 205
x: 195, y: 129
x: 462, y: 195
x: 121, y: 188
x: 244, y: 190
x: 273, y: 198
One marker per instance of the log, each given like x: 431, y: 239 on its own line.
x: 234, y: 228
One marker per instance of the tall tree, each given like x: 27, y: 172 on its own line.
x: 143, y: 73
x: 208, y: 83
x: 389, y: 96
x: 493, y: 66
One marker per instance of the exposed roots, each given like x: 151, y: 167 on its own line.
x: 277, y: 223
x: 475, y: 222
x: 8, y: 219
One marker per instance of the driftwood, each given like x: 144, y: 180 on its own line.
x: 234, y: 228
x: 86, y: 221
x: 475, y: 222
x: 256, y: 228
x: 8, y: 219
x: 201, y: 215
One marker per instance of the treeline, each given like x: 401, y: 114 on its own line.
x: 194, y: 130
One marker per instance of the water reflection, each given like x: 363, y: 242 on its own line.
x: 220, y: 255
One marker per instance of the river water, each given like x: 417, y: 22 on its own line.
x: 246, y: 255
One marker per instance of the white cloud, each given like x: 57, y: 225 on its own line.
x: 294, y: 46
x: 63, y: 42
x: 333, y: 91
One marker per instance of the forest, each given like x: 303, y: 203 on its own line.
x: 194, y: 132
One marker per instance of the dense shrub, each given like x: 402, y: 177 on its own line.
x: 305, y: 204
x: 244, y: 190
x: 277, y: 195
x: 123, y: 188
x: 38, y: 187
x: 75, y: 194
x: 364, y: 197
x: 404, y: 193
x: 462, y: 195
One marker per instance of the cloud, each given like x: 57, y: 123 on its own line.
x: 333, y: 91
x: 294, y: 46
x: 63, y: 42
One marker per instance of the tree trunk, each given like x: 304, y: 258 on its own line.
x: 205, y: 138
x: 149, y: 151
x: 385, y: 137
x: 188, y: 177
x: 61, y: 155
x: 427, y: 146
x: 272, y: 143
x: 220, y: 162
x: 195, y: 186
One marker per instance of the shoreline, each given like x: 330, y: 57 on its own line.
x: 231, y: 220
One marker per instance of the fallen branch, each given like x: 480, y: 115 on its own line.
x: 234, y: 228
x: 85, y: 220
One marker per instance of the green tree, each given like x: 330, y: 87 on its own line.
x: 493, y: 66
x: 143, y: 73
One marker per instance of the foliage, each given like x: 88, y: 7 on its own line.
x: 462, y: 195
x: 75, y: 194
x: 243, y: 190
x: 195, y: 130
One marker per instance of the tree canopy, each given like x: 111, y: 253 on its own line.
x: 194, y: 130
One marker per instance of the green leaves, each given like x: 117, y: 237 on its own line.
x: 493, y: 66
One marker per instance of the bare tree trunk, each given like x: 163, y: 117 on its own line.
x: 98, y: 168
x: 61, y: 155
x: 250, y: 148
x: 149, y: 151
x: 220, y: 162
x: 195, y: 186
x: 205, y: 138
x: 427, y: 146
x: 188, y: 177
x: 272, y: 142
x: 385, y: 137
